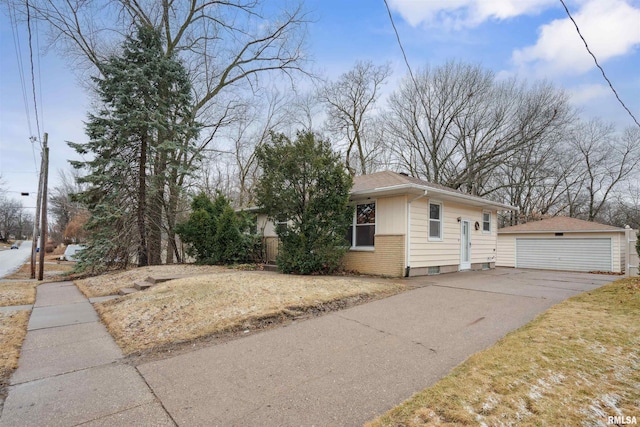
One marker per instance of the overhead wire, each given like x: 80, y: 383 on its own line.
x: 39, y: 74
x: 406, y: 60
x: 33, y: 78
x: 404, y: 54
x: 586, y: 45
x: 18, y: 49
x: 23, y: 86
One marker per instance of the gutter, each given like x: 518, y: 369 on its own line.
x: 407, y: 269
x: 488, y: 203
x: 388, y: 189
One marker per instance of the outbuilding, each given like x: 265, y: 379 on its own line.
x: 562, y: 243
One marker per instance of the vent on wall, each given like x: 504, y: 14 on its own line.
x: 486, y: 266
x: 433, y: 270
x: 559, y: 234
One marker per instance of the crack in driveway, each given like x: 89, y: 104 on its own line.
x: 366, y: 325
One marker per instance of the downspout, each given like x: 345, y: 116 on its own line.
x: 407, y: 269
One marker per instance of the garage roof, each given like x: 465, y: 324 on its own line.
x: 560, y: 224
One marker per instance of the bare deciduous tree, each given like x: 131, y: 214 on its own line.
x: 454, y: 125
x: 607, y: 160
x: 350, y: 103
x: 225, y: 45
x: 62, y: 205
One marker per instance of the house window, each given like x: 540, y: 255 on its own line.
x: 281, y: 225
x: 435, y: 221
x: 361, y: 233
x: 486, y: 222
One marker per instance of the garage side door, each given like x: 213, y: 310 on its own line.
x: 564, y: 254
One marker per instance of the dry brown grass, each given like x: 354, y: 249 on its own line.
x: 17, y: 293
x: 111, y: 283
x: 576, y: 364
x: 13, y: 329
x: 52, y: 270
x: 186, y: 309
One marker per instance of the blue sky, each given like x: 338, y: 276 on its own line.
x: 532, y: 39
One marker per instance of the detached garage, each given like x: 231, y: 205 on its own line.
x: 562, y: 243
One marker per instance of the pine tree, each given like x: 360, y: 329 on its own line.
x: 145, y: 111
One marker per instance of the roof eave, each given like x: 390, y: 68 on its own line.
x: 391, y: 190
x: 476, y: 201
x: 621, y: 230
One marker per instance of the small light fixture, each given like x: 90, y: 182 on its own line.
x: 459, y: 218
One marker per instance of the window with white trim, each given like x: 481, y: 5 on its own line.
x: 486, y: 222
x: 435, y: 221
x: 361, y: 233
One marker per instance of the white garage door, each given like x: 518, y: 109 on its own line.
x: 564, y: 254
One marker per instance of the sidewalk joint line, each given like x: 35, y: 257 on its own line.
x: 115, y: 362
x: 155, y: 396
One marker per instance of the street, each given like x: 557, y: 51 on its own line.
x: 11, y: 259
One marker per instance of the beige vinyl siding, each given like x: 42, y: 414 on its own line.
x: 265, y: 227
x: 391, y: 215
x: 506, y: 253
x: 622, y: 244
x: 506, y: 256
x: 429, y: 253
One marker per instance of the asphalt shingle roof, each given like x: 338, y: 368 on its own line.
x: 559, y: 224
x: 389, y: 179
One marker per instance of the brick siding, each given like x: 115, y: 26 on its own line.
x: 387, y: 258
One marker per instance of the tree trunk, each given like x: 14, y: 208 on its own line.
x: 142, y: 201
x: 156, y: 200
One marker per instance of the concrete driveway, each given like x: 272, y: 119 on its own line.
x: 347, y: 367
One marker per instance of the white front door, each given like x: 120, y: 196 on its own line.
x: 465, y: 245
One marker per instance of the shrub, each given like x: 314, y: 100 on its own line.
x: 216, y: 234
x: 305, y: 184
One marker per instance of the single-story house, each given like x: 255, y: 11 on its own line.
x: 562, y: 243
x: 404, y: 226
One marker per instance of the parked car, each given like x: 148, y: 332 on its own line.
x: 15, y: 246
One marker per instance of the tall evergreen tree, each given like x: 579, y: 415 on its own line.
x: 145, y: 111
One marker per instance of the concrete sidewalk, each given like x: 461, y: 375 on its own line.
x: 69, y: 371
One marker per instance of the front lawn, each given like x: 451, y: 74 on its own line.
x: 190, y: 308
x: 111, y: 283
x: 575, y: 364
x: 53, y: 270
x: 18, y: 293
x: 13, y: 329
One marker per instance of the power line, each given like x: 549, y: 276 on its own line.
x: 33, y: 75
x: 16, y: 44
x: 404, y: 55
x: 406, y: 61
x: 39, y: 73
x: 586, y: 45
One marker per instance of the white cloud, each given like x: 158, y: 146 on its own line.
x: 587, y: 93
x: 611, y: 28
x: 465, y: 13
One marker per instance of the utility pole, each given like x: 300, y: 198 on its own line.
x: 36, y: 220
x: 43, y: 221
